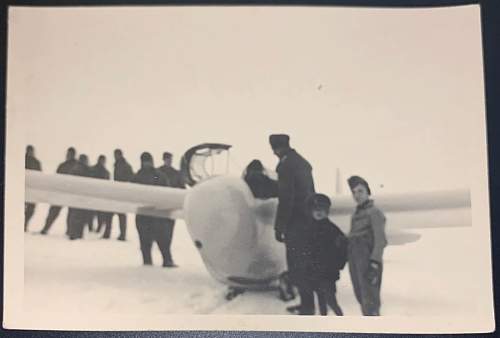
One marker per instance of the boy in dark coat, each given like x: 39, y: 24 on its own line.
x: 329, y: 253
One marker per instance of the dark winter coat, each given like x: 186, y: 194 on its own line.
x: 78, y: 218
x: 30, y: 162
x: 80, y: 169
x: 66, y: 166
x: 261, y: 185
x: 329, y: 250
x: 174, y: 176
x: 295, y: 185
x: 150, y: 176
x: 99, y: 171
x: 123, y: 171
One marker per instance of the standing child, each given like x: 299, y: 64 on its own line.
x: 366, y: 245
x: 329, y: 254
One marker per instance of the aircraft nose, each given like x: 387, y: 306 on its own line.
x: 237, y: 248
x: 222, y: 224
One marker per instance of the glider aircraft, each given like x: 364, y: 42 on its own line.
x: 232, y: 230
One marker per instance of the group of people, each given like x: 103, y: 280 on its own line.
x: 150, y: 229
x: 316, y: 249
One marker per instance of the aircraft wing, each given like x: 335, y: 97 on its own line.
x: 402, y: 202
x: 104, y: 195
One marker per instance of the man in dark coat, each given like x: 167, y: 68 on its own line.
x: 30, y: 162
x: 54, y: 210
x: 153, y: 229
x: 79, y: 218
x: 175, y: 180
x: 103, y: 217
x: 173, y: 175
x: 295, y: 185
x: 123, y: 173
x: 261, y: 185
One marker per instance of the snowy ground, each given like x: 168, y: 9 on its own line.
x: 106, y: 276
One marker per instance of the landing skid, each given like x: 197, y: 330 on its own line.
x: 234, y: 292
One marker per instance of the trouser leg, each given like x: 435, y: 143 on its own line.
x: 68, y: 222
x: 372, y: 299
x: 330, y: 290
x: 144, y: 225
x: 100, y: 222
x: 298, y: 261
x: 356, y: 283
x: 368, y: 295
x: 90, y: 219
x: 123, y: 226
x: 54, y: 211
x: 321, y: 292
x: 163, y: 234
x: 74, y: 220
x: 105, y: 220
x: 82, y: 222
x: 306, y: 299
x: 29, y: 210
x: 78, y: 219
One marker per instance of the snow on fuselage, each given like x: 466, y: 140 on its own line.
x: 237, y: 248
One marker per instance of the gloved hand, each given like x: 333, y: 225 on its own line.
x: 373, y: 272
x: 280, y: 236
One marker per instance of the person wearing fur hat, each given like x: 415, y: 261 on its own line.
x: 153, y: 229
x: 367, y: 241
x: 295, y: 185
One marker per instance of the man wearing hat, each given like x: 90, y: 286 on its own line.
x: 104, y: 218
x: 54, y: 210
x: 175, y: 180
x: 122, y: 173
x: 366, y: 246
x: 295, y: 185
x: 31, y: 163
x: 153, y: 229
x: 174, y: 176
x: 79, y: 218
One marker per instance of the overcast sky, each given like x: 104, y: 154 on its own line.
x: 392, y: 95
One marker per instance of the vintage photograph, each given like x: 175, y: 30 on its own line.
x: 254, y: 168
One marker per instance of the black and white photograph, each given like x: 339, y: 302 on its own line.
x: 247, y: 168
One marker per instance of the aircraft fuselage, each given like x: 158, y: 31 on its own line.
x: 237, y: 248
